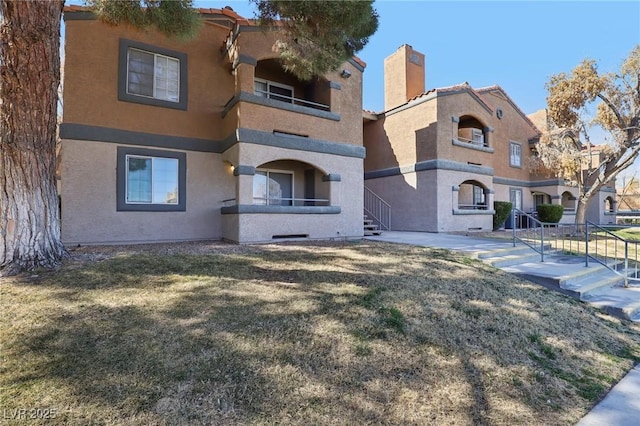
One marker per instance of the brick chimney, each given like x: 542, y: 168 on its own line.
x: 404, y: 76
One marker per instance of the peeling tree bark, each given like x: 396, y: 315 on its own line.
x: 29, y: 79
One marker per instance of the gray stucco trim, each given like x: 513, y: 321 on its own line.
x: 332, y: 177
x: 430, y: 165
x: 335, y: 85
x: 244, y: 59
x: 474, y: 212
x: 79, y: 16
x: 527, y: 184
x: 271, y: 103
x: 109, y: 135
x: 262, y: 209
x: 121, y: 178
x: 244, y: 170
x: 453, y: 166
x: 468, y: 145
x: 356, y: 64
x: 299, y: 144
x: 118, y: 136
x: 125, y: 44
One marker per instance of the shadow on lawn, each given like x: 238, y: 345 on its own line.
x: 263, y: 344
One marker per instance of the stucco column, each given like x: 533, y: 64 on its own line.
x: 244, y: 69
x: 335, y: 195
x: 489, y: 195
x: 455, y: 195
x: 244, y: 184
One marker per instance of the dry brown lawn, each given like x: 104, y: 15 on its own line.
x: 298, y: 333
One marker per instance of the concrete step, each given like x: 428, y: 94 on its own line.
x: 562, y: 273
x: 512, y: 259
x: 371, y: 233
x: 617, y: 301
x: 585, y: 285
x: 507, y: 251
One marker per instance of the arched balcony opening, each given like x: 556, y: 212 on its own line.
x: 540, y: 198
x: 472, y: 196
x: 273, y: 82
x: 472, y: 131
x: 568, y: 201
x: 609, y: 205
x: 290, y: 183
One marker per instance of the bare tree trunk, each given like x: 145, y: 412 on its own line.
x: 581, y: 211
x: 29, y: 78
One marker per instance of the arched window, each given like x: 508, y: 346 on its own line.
x: 472, y: 196
x: 609, y: 205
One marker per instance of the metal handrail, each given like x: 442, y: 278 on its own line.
x: 378, y: 209
x: 267, y: 200
x: 609, y: 256
x: 530, y: 219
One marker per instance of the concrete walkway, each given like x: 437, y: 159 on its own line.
x: 621, y: 406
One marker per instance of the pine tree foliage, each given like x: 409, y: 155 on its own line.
x: 318, y: 36
x: 174, y: 18
x: 618, y: 112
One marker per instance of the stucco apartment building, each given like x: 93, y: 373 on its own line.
x: 166, y: 140
x: 439, y: 158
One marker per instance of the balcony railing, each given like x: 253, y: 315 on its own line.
x: 273, y: 201
x: 292, y: 100
x: 473, y: 207
x: 477, y: 142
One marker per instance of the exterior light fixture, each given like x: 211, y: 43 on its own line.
x: 345, y: 74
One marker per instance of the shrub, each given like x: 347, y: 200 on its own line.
x: 503, y: 210
x: 549, y: 213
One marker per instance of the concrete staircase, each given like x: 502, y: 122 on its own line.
x: 568, y: 275
x: 370, y: 228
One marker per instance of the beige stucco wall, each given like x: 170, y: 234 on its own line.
x: 346, y: 193
x: 91, y: 81
x: 413, y: 197
x: 88, y: 196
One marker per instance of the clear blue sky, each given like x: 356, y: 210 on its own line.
x: 515, y: 44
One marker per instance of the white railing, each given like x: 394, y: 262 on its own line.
x: 291, y: 100
x: 377, y: 209
x: 275, y: 201
x: 477, y: 142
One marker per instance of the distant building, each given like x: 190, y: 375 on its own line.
x: 440, y: 157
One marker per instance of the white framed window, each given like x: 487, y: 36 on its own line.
x: 515, y: 154
x: 151, y: 180
x: 153, y: 75
x: 272, y: 90
x: 273, y: 187
x: 478, y: 195
x: 515, y: 196
x: 477, y: 137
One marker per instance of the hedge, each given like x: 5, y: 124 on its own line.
x: 550, y: 213
x: 502, y: 212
